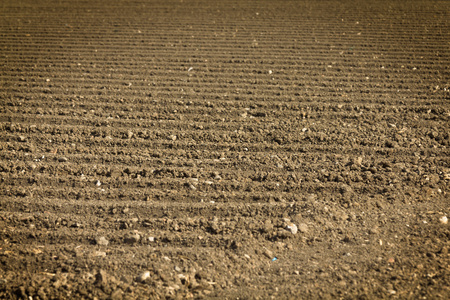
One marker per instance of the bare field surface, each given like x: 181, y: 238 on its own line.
x: 224, y: 149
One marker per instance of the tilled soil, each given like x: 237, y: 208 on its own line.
x: 224, y: 149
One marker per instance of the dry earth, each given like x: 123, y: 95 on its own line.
x: 224, y: 149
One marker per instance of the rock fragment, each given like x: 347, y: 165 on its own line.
x: 132, y: 238
x: 267, y: 253
x: 303, y: 228
x: 292, y: 228
x: 268, y: 226
x: 101, y: 241
x: 143, y: 276
x: 99, y: 253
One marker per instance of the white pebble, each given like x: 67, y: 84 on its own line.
x: 143, y: 276
x: 292, y: 228
x: 443, y: 220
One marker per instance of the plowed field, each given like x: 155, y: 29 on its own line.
x: 224, y: 149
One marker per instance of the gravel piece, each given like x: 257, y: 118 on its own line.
x: 132, y: 238
x: 102, y: 241
x: 267, y: 253
x: 292, y: 228
x: 143, y: 276
x: 303, y: 228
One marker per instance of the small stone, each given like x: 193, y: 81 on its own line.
x: 143, y: 276
x: 283, y: 234
x: 268, y: 226
x: 130, y: 134
x: 172, y: 137
x: 22, y: 139
x: 292, y: 228
x: 62, y: 159
x: 98, y: 183
x: 267, y: 253
x: 102, y: 241
x: 345, y: 189
x: 443, y: 220
x: 132, y: 238
x: 100, y: 253
x: 303, y: 228
x: 342, y: 283
x: 191, y: 186
x: 151, y: 239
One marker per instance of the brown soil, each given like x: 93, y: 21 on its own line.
x: 224, y: 149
